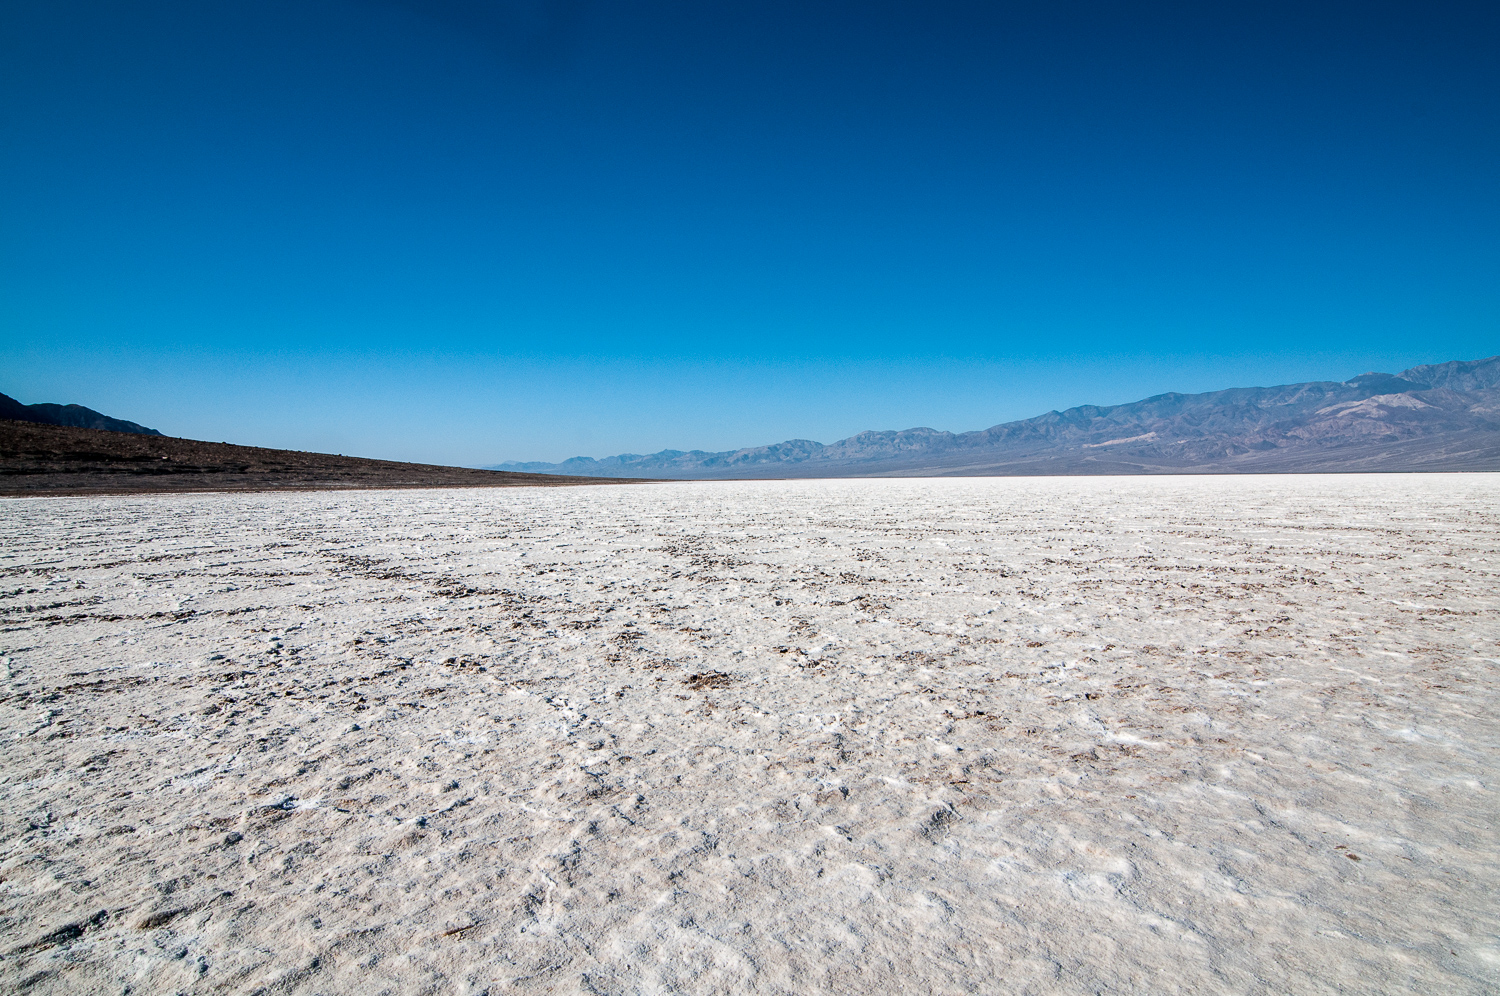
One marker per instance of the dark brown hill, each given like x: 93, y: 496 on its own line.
x: 38, y: 459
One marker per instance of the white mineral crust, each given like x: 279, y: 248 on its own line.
x: 1172, y: 735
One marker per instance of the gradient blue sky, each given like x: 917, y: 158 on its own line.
x: 472, y: 230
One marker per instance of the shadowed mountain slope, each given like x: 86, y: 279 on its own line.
x: 74, y: 415
x: 1443, y: 416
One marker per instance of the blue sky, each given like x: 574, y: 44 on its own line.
x: 471, y: 230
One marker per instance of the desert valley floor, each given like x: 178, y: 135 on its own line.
x: 1145, y: 735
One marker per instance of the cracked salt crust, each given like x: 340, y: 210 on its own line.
x: 1220, y: 734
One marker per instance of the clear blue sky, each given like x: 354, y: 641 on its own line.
x: 472, y: 230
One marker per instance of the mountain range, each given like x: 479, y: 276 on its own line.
x: 75, y: 416
x: 1442, y: 416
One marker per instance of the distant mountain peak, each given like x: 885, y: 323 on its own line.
x: 76, y: 416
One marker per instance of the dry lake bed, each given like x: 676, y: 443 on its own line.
x: 1124, y: 735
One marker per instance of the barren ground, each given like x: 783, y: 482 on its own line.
x: 1145, y: 735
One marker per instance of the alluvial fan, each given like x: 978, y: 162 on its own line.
x: 1019, y: 735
